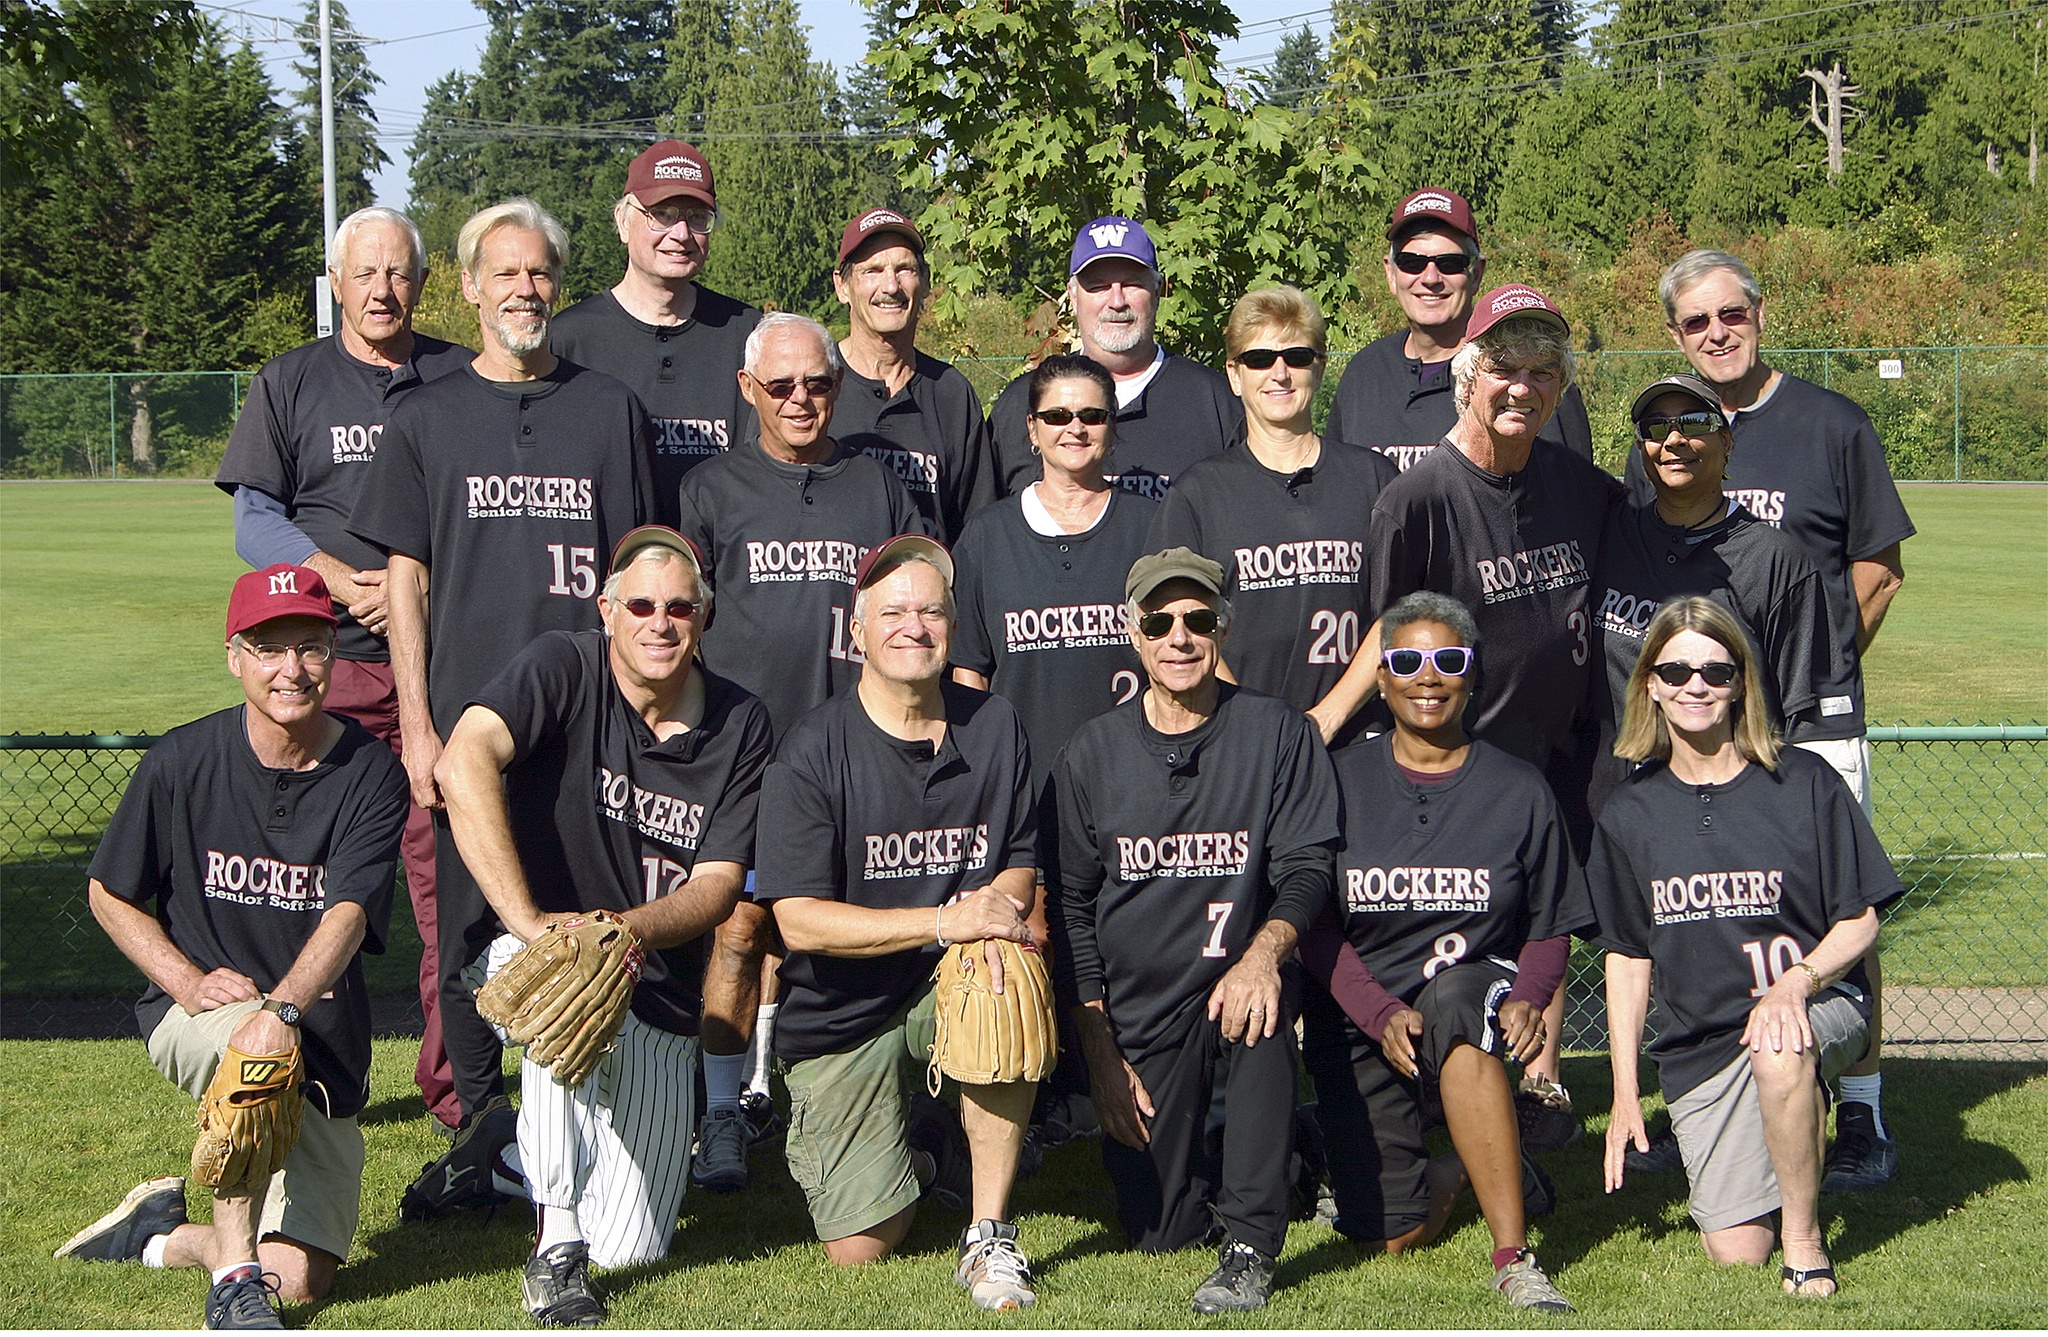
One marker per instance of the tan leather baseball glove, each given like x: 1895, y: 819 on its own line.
x: 985, y: 1037
x: 248, y: 1118
x: 565, y: 995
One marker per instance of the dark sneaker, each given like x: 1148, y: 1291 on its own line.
x: 1539, y: 1194
x: 993, y: 1269
x: 938, y: 1145
x: 721, y: 1160
x: 764, y: 1123
x: 155, y: 1207
x: 1526, y: 1286
x: 1861, y: 1160
x: 242, y: 1299
x: 465, y: 1174
x: 1543, y: 1109
x: 1661, y: 1159
x: 555, y: 1289
x: 1243, y: 1280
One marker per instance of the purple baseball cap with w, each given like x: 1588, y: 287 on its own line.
x: 1112, y: 238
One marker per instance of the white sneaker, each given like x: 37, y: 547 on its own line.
x: 993, y: 1270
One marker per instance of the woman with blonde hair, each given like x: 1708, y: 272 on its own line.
x: 1742, y: 876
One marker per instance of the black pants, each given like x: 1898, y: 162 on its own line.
x: 467, y: 924
x: 1169, y: 1195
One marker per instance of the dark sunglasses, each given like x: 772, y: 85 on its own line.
x: 1258, y: 359
x: 1677, y: 673
x: 1453, y: 661
x: 1732, y: 316
x: 679, y: 610
x: 1200, y: 621
x: 817, y: 387
x: 1090, y: 416
x: 1414, y: 262
x: 1688, y: 424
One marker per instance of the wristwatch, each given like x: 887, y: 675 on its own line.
x: 288, y: 1013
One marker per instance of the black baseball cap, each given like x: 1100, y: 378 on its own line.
x: 1684, y: 383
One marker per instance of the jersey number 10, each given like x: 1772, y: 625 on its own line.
x: 1768, y: 961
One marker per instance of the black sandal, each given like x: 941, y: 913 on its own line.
x: 1799, y: 1276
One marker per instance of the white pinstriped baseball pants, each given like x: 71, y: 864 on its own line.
x: 617, y: 1148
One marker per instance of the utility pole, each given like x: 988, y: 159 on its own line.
x: 1839, y: 92
x: 324, y: 299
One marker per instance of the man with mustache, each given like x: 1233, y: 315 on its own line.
x: 500, y: 487
x: 914, y: 413
x: 1170, y: 411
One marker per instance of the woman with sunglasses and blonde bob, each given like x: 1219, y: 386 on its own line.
x: 1283, y: 510
x: 1456, y: 896
x: 1743, y: 877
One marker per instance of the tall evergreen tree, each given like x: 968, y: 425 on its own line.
x: 775, y: 133
x: 357, y: 155
x: 1296, y: 75
x: 565, y: 93
x: 872, y: 113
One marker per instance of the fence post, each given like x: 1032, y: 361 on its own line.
x: 113, y: 433
x: 1827, y: 369
x: 1959, y: 416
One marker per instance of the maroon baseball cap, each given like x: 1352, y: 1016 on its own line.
x: 656, y: 536
x: 885, y: 557
x: 278, y: 590
x: 1513, y: 299
x: 1431, y: 206
x: 874, y: 223
x: 669, y: 169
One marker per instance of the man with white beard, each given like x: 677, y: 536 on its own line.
x: 1170, y: 411
x: 503, y: 485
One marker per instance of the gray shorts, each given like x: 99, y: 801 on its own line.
x: 318, y: 1195
x: 1720, y: 1125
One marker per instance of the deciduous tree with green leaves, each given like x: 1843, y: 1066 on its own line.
x: 1025, y: 120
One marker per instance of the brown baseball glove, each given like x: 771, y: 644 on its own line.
x: 248, y: 1118
x: 985, y: 1037
x: 565, y: 995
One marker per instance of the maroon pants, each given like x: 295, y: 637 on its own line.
x: 363, y: 691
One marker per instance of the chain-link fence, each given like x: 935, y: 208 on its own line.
x: 1963, y: 811
x: 1943, y: 413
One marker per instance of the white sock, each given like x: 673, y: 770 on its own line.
x: 761, y: 1056
x: 722, y: 1076
x: 558, y: 1225
x: 153, y: 1251
x: 1866, y: 1091
x: 220, y: 1274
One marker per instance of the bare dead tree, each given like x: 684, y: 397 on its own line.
x: 1840, y: 96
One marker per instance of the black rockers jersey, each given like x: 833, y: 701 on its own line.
x: 1293, y: 552
x: 780, y: 543
x: 930, y: 434
x: 1185, y: 413
x: 306, y: 435
x: 513, y: 496
x: 1168, y: 848
x: 606, y: 816
x: 1475, y: 865
x: 687, y: 375
x: 853, y: 814
x: 1807, y: 461
x: 1042, y: 616
x: 1517, y: 549
x: 1401, y: 406
x: 242, y: 860
x: 1724, y: 888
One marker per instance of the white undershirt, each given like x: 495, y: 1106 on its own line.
x: 1040, y: 519
x: 1126, y: 391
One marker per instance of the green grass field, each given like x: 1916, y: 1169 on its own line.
x: 1953, y: 1244
x: 111, y: 596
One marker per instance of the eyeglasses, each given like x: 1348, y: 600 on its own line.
x: 816, y: 387
x: 1734, y: 317
x: 1090, y: 416
x: 1453, y: 661
x: 1450, y: 263
x: 271, y: 654
x: 1688, y: 424
x: 679, y: 610
x: 1677, y: 673
x: 1258, y: 359
x: 663, y: 217
x: 1199, y: 621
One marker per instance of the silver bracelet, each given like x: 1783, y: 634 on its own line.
x: 939, y: 926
